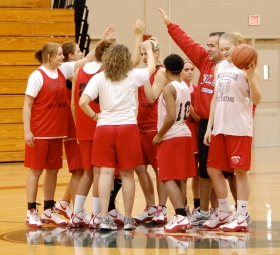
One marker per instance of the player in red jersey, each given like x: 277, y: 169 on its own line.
x: 71, y: 52
x: 45, y: 125
x: 147, y: 124
x: 192, y: 122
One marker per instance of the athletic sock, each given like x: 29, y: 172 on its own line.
x: 114, y: 192
x: 224, y: 205
x: 242, y: 207
x: 181, y: 211
x: 196, y: 202
x: 79, y: 203
x: 95, y: 205
x: 48, y: 204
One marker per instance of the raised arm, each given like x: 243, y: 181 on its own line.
x: 107, y: 35
x: 151, y: 64
x: 138, y: 29
x: 153, y: 92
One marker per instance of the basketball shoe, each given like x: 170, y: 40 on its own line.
x: 214, y: 212
x: 95, y: 221
x: 178, y: 223
x: 198, y: 217
x: 129, y: 223
x: 115, y: 216
x: 146, y: 215
x: 50, y: 216
x: 220, y: 219
x: 32, y: 219
x: 160, y: 215
x: 107, y: 224
x: 78, y: 220
x: 238, y: 223
x: 33, y: 236
x: 188, y: 212
x: 63, y: 208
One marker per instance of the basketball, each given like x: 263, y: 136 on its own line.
x: 243, y: 55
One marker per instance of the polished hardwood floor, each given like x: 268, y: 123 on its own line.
x: 263, y: 236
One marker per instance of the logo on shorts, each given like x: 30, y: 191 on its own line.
x: 235, y: 159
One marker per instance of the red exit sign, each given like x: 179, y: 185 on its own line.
x: 254, y: 20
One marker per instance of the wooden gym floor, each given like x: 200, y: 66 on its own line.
x: 263, y: 237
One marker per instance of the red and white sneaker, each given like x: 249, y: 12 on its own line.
x: 160, y: 215
x: 178, y: 223
x: 78, y: 220
x: 115, y: 216
x: 220, y: 219
x: 63, y: 207
x: 146, y: 215
x: 50, y: 216
x: 32, y: 219
x: 238, y: 223
x: 95, y: 221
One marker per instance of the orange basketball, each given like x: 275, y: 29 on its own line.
x: 243, y: 55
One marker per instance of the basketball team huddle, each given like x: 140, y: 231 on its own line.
x: 181, y: 130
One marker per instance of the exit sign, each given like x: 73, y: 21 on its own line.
x: 254, y: 20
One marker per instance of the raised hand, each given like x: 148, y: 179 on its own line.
x: 138, y: 27
x: 108, y: 33
x: 164, y: 16
x: 146, y: 45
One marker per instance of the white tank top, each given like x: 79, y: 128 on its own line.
x: 182, y: 102
x: 233, y: 113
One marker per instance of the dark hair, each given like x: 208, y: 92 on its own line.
x: 100, y: 48
x: 47, y: 53
x: 68, y: 48
x: 173, y: 63
x: 216, y: 34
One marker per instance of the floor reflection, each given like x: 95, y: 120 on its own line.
x: 151, y: 236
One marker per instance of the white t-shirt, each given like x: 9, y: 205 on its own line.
x: 117, y: 99
x: 92, y: 67
x: 35, y: 80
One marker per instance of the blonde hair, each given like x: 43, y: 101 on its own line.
x: 155, y: 45
x: 116, y: 61
x: 186, y: 60
x: 235, y: 37
x: 42, y: 55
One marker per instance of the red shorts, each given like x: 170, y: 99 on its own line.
x: 149, y: 150
x: 117, y: 145
x: 176, y: 159
x: 46, y: 154
x: 86, y: 151
x: 228, y: 152
x: 73, y: 155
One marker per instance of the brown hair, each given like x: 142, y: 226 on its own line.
x: 48, y: 52
x: 100, y: 48
x: 116, y: 61
x: 68, y: 48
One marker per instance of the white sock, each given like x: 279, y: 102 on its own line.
x: 79, y: 203
x: 241, y: 207
x: 95, y: 205
x: 224, y: 205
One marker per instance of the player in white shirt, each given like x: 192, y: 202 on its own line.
x: 229, y: 133
x: 116, y: 139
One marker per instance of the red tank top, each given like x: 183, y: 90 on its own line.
x: 147, y: 113
x: 85, y: 126
x: 49, y: 109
